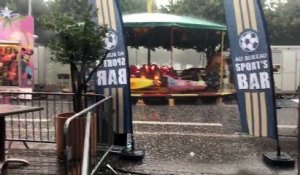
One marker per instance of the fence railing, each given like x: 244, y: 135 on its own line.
x: 84, y: 147
x: 38, y: 126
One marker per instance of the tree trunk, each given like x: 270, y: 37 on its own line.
x: 78, y: 94
x: 73, y: 82
x: 76, y: 88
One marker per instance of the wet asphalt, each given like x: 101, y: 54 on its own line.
x: 205, y: 139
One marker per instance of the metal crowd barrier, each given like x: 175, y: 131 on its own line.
x: 86, y: 148
x: 38, y: 126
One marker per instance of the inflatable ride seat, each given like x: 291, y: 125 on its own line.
x: 194, y: 74
x: 134, y: 71
x: 150, y: 72
x: 166, y: 70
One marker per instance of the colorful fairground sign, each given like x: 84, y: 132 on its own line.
x: 16, y: 49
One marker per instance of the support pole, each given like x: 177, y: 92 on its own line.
x: 171, y: 46
x: 149, y: 10
x: 222, y: 62
x: 29, y: 8
x: 149, y: 56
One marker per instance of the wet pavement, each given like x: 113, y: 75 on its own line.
x: 173, y: 154
x: 204, y: 139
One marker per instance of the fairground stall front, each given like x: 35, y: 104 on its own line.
x: 153, y: 79
x: 16, y: 50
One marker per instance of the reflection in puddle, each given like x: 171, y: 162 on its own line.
x: 151, y: 116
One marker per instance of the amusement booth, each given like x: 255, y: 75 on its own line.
x: 16, y: 50
x: 165, y: 31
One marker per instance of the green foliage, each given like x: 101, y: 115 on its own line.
x: 208, y: 9
x: 73, y: 41
x: 282, y: 17
x: 78, y: 41
x: 135, y: 6
x: 284, y: 23
x: 8, y: 3
x: 200, y: 40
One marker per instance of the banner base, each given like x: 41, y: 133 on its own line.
x: 120, y: 139
x: 136, y: 154
x: 284, y: 160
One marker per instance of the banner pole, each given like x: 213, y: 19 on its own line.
x: 115, y: 78
x: 271, y: 79
x: 130, y: 152
x: 252, y: 60
x: 281, y: 159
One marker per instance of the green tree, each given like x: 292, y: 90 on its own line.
x: 76, y: 40
x: 208, y: 9
x: 284, y: 22
x: 282, y: 16
x: 135, y: 6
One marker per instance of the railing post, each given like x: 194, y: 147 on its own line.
x: 102, y: 106
x: 67, y: 152
x: 86, y: 157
